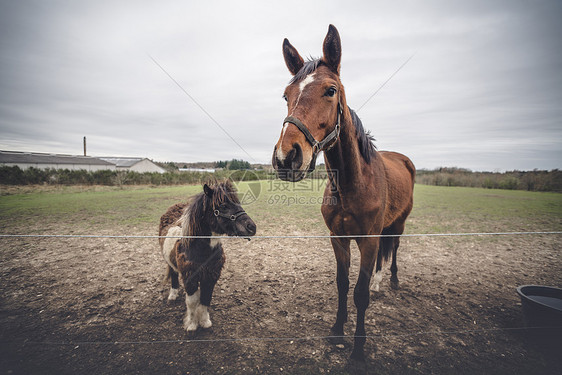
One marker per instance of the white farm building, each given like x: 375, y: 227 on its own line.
x: 134, y: 164
x: 26, y: 160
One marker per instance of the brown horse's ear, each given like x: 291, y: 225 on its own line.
x: 208, y: 191
x: 332, y: 49
x: 293, y: 60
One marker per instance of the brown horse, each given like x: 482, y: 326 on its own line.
x: 373, y: 190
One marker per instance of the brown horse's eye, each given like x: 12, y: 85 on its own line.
x: 285, y: 97
x: 330, y: 92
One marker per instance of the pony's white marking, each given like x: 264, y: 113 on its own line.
x: 203, y: 314
x: 215, y: 241
x: 169, y: 244
x: 191, y: 320
x: 377, y: 278
x: 173, y: 294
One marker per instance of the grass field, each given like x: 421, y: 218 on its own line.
x: 98, y: 305
x: 283, y: 206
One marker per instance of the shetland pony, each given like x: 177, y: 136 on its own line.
x: 198, y: 261
x: 373, y: 190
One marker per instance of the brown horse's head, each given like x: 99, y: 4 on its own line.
x: 315, y: 100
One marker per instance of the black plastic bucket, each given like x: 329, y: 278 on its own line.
x: 542, y: 307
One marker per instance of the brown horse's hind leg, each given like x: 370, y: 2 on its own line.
x: 394, y: 283
x: 341, y: 251
x: 377, y: 277
x: 397, y: 228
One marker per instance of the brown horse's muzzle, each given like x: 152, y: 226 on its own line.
x: 289, y: 166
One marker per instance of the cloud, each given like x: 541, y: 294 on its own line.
x: 482, y: 91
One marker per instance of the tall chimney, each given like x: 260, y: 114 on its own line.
x: 84, y: 146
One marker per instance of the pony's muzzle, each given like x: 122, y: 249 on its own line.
x: 246, y: 226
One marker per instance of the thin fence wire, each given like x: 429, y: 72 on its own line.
x: 283, y: 236
x: 295, y: 338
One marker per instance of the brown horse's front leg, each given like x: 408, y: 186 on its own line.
x: 369, y: 248
x: 341, y: 251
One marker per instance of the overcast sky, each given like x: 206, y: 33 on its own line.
x: 483, y: 90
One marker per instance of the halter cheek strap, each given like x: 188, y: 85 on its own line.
x: 231, y: 217
x: 324, y: 145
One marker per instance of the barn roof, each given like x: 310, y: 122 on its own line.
x: 122, y: 162
x: 44, y: 158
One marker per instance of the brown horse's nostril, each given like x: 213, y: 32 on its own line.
x: 296, y: 163
x: 293, y: 160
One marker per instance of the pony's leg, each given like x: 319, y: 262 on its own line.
x: 369, y: 248
x: 377, y: 277
x: 174, y: 290
x: 191, y: 322
x: 341, y: 251
x: 192, y: 298
x: 207, y: 287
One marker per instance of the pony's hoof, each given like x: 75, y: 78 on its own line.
x: 191, y: 333
x: 174, y: 293
x: 206, y: 324
x: 190, y: 327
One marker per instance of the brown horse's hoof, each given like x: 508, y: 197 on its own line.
x: 357, y: 365
x: 336, y: 337
x: 394, y: 283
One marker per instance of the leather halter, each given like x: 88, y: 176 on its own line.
x: 231, y: 217
x: 324, y: 145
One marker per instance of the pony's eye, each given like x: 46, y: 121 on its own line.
x: 285, y: 97
x: 330, y: 92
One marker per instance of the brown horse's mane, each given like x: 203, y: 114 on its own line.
x: 364, y: 138
x: 201, y: 207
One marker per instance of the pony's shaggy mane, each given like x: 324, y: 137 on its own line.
x: 202, y: 206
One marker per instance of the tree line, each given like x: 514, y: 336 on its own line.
x: 535, y: 180
x: 34, y: 176
x: 515, y: 180
x: 233, y: 164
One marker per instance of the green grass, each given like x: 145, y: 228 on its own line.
x: 281, y: 208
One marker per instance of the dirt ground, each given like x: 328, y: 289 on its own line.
x: 80, y: 306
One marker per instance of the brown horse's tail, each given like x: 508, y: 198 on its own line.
x: 386, y: 245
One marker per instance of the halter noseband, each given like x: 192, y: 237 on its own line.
x: 231, y: 217
x: 329, y: 140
